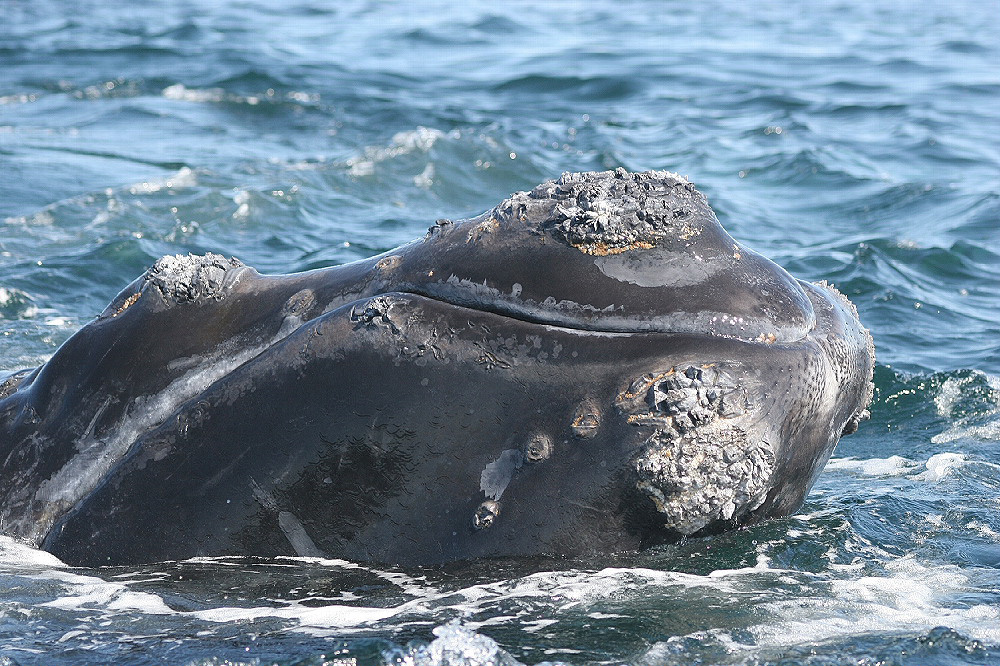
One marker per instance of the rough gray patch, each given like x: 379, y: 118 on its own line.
x: 184, y: 279
x: 485, y: 514
x: 497, y: 475
x: 699, y: 465
x: 299, y: 304
x: 538, y: 448
x: 376, y: 312
x: 683, y: 399
x: 438, y: 227
x: 709, y: 474
x: 609, y: 212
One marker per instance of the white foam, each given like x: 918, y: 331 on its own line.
x: 425, y: 179
x: 181, y: 92
x: 16, y: 555
x: 88, y: 592
x: 21, y: 98
x: 937, y: 520
x: 43, y: 218
x: 454, y: 644
x: 563, y: 591
x: 332, y: 616
x: 911, y: 597
x: 940, y: 465
x: 891, y: 466
x: 185, y: 177
x: 949, y: 396
x: 421, y: 139
x: 19, y: 301
x: 984, y: 530
x: 937, y: 467
x: 988, y: 432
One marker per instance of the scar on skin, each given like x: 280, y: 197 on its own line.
x: 129, y: 302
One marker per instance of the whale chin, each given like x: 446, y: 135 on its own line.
x: 589, y: 367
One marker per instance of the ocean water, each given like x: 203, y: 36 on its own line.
x: 850, y: 141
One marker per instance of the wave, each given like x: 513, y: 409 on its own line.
x: 583, y: 88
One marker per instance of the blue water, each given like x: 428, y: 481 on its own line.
x: 850, y: 141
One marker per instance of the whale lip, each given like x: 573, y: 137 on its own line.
x: 585, y: 318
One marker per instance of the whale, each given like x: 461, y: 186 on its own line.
x: 594, y: 366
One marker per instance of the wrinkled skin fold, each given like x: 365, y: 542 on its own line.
x: 590, y: 367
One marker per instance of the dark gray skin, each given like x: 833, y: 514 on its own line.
x: 592, y: 367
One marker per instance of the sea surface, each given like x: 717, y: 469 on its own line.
x: 853, y: 141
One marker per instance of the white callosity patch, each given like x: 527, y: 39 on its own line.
x: 696, y: 480
x: 602, y: 214
x: 181, y: 278
x: 699, y: 465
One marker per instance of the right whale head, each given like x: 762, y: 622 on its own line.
x: 589, y: 366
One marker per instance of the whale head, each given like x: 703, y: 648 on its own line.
x: 591, y: 366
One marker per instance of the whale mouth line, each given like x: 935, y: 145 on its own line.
x: 620, y: 326
x: 373, y: 306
